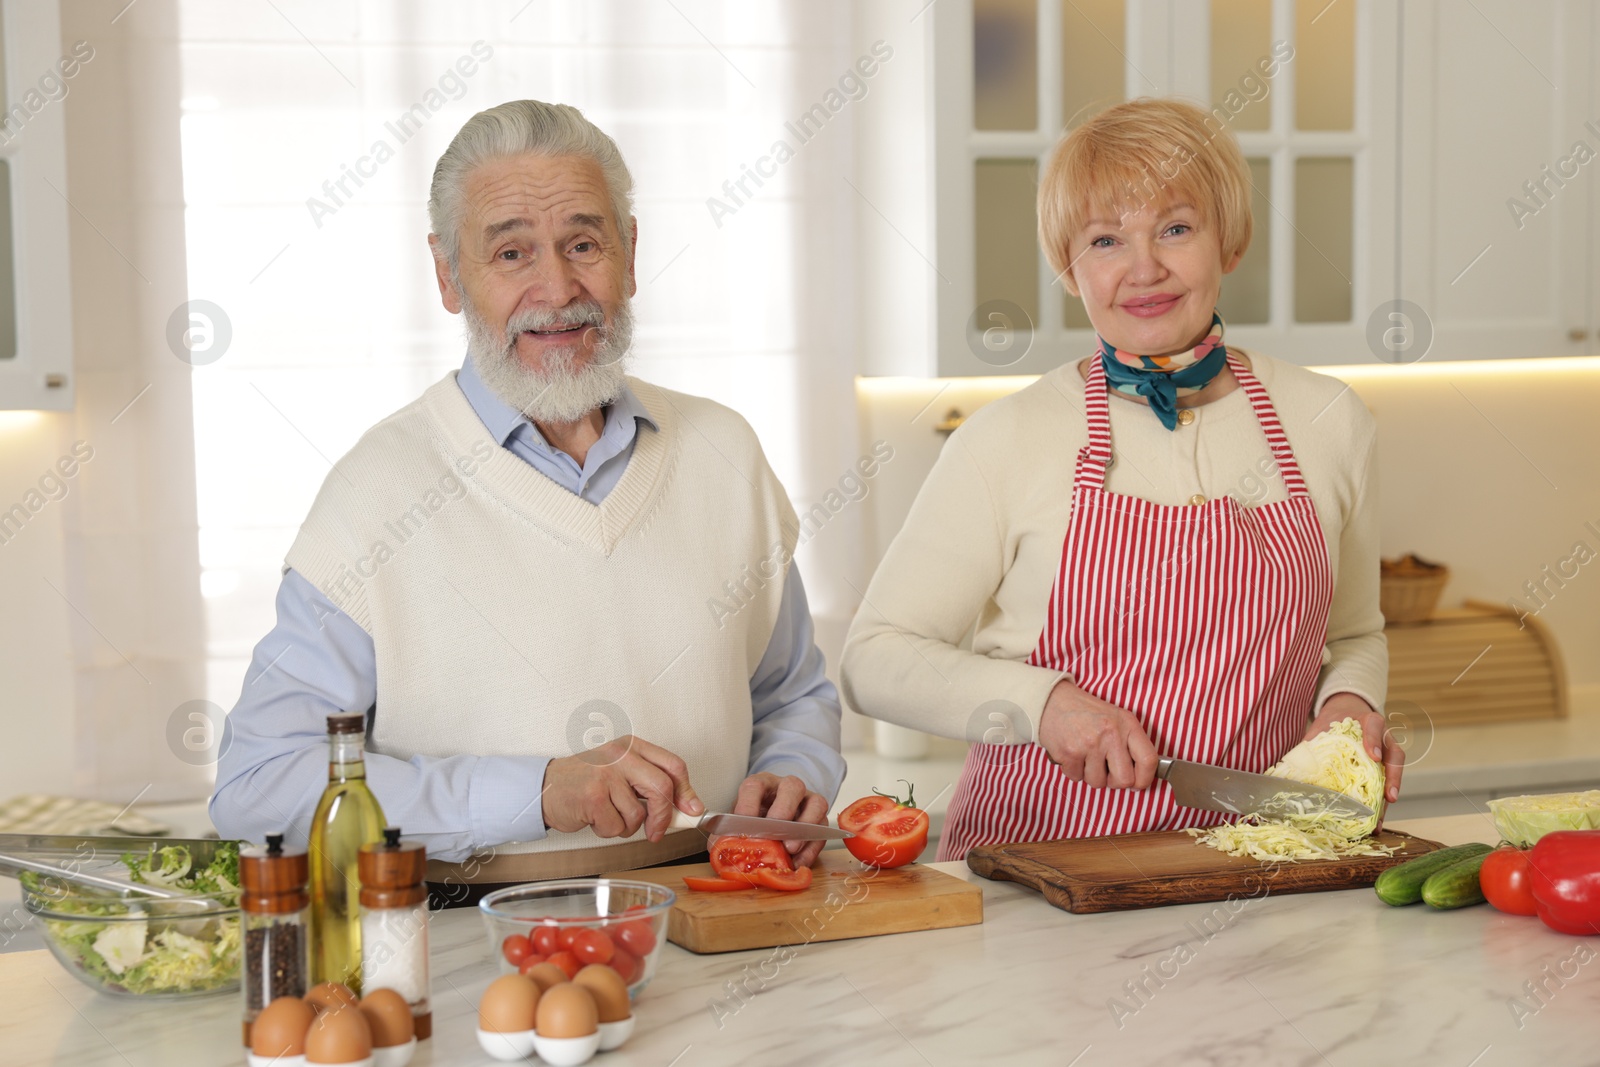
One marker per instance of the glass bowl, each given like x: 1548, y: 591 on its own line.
x: 133, y: 945
x: 631, y: 916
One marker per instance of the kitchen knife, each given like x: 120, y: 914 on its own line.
x: 720, y: 824
x: 1200, y: 785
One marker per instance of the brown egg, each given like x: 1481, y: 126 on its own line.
x: 547, y: 975
x: 509, y: 1005
x: 567, y: 1010
x: 280, y: 1029
x: 339, y: 1035
x: 610, y: 992
x: 329, y: 995
x: 389, y: 1016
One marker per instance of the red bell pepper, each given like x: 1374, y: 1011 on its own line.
x: 1566, y: 880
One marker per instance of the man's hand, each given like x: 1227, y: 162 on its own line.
x: 616, y: 788
x: 1096, y: 743
x: 767, y: 796
x: 1374, y: 732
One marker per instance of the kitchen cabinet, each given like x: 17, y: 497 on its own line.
x: 1307, y: 87
x: 1498, y: 137
x: 36, y: 72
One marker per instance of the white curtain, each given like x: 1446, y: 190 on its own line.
x: 328, y: 291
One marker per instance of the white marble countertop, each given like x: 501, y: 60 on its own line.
x: 1323, y: 978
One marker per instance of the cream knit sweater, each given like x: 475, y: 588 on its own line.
x: 512, y: 617
x: 983, y: 540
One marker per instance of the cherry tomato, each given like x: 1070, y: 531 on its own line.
x: 636, y: 936
x: 1507, y: 881
x: 889, y: 832
x: 567, y: 962
x: 566, y: 936
x: 533, y: 960
x: 715, y: 885
x: 516, y: 948
x: 627, y: 965
x: 544, y: 940
x: 788, y: 881
x: 591, y: 946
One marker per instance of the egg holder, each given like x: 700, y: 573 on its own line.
x: 393, y: 1056
x: 556, y: 1051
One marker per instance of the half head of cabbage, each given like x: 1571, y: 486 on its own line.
x: 1335, y: 759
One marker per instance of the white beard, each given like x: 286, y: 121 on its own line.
x: 563, y: 390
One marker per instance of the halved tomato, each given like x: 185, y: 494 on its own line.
x: 889, y: 832
x: 715, y: 885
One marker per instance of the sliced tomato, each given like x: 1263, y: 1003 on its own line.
x: 788, y: 881
x: 889, y: 832
x: 738, y: 858
x: 715, y: 885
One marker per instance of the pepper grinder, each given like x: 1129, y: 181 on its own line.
x: 394, y: 923
x: 275, y: 906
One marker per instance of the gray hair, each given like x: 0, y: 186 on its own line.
x: 523, y: 127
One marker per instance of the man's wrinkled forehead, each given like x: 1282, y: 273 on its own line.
x: 536, y: 193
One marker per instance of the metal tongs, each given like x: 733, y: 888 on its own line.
x: 64, y: 859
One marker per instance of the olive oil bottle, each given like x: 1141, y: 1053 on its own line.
x: 347, y: 817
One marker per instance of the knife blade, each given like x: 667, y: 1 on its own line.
x: 1201, y: 785
x: 718, y: 823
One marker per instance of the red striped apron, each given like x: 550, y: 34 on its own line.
x: 1206, y: 622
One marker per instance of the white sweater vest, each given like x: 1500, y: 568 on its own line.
x: 512, y: 617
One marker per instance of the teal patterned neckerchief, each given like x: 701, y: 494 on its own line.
x: 1162, y: 379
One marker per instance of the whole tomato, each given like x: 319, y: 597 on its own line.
x: 1507, y: 881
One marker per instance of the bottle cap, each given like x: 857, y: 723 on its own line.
x: 273, y: 879
x: 392, y: 871
x: 347, y: 722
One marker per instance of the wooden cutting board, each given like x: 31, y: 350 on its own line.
x: 1128, y: 871
x: 845, y: 899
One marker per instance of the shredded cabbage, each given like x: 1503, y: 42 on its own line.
x: 152, y: 946
x: 1336, y: 759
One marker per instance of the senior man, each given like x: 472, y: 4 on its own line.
x: 519, y: 562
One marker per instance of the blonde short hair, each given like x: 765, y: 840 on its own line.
x: 1144, y: 152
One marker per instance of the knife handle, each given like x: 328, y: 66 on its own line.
x: 680, y: 821
x: 1164, y: 767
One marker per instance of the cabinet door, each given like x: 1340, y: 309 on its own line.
x: 35, y: 311
x: 1318, y: 131
x: 1497, y: 142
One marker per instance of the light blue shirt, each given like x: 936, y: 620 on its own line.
x: 317, y: 660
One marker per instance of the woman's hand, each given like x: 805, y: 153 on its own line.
x: 1375, y: 735
x: 1094, y: 742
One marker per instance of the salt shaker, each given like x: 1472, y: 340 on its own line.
x: 394, y: 923
x: 274, y: 902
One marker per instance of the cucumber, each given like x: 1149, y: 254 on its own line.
x: 1456, y: 886
x: 1402, y: 884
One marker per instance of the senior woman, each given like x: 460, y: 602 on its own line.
x: 1167, y: 548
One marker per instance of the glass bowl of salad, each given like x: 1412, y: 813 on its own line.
x: 126, y: 943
